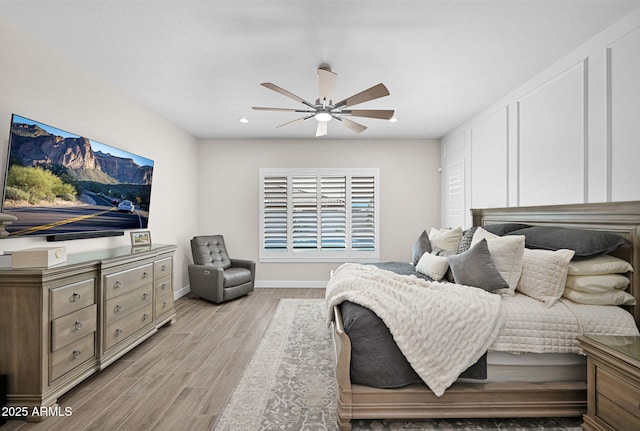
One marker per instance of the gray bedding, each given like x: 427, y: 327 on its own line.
x: 376, y: 360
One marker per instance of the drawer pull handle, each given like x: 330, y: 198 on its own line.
x: 118, y: 284
x: 117, y: 308
x: 163, y: 286
x: 145, y: 296
x: 76, y: 354
x: 145, y: 316
x: 145, y: 275
x: 77, y: 326
x: 118, y: 332
x: 164, y: 304
x: 75, y: 297
x: 163, y: 268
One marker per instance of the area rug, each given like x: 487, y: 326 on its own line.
x: 289, y: 385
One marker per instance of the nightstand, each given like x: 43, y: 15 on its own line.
x: 613, y: 382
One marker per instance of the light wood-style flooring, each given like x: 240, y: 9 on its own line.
x: 181, y: 377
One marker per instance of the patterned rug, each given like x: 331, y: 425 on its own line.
x: 289, y: 385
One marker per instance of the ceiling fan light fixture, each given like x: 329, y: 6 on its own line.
x: 323, y: 117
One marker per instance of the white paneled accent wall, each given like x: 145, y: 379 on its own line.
x: 552, y: 140
x: 489, y: 157
x: 623, y: 94
x: 568, y: 135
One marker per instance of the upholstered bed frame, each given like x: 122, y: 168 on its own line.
x: 477, y: 400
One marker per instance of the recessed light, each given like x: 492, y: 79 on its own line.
x: 244, y: 120
x: 393, y: 120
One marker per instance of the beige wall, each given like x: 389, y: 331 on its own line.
x: 229, y: 193
x: 39, y: 84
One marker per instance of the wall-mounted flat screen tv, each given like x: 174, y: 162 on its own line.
x: 59, y: 183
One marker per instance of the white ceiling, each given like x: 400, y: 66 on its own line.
x: 200, y: 63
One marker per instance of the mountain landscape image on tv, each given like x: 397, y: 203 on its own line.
x: 57, y: 183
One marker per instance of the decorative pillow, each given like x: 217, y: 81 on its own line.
x: 446, y: 239
x: 585, y: 243
x: 475, y: 268
x: 504, y: 228
x: 467, y: 237
x: 597, y: 283
x: 615, y: 297
x: 433, y: 266
x: 421, y: 246
x: 602, y: 264
x: 544, y: 274
x: 506, y: 253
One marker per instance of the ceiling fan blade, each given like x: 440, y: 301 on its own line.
x: 372, y: 93
x: 383, y: 114
x: 261, y: 108
x: 284, y: 92
x: 326, y: 84
x: 321, y: 130
x: 297, y: 120
x: 352, y: 125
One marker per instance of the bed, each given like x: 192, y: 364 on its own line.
x: 502, y: 396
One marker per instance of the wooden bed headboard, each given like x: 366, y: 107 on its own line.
x: 622, y: 218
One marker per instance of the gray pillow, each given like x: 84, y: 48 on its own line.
x: 586, y: 243
x: 475, y: 268
x: 421, y: 246
x: 467, y: 237
x: 504, y: 228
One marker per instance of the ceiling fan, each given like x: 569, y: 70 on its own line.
x: 324, y: 110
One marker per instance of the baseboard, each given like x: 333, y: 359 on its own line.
x: 291, y: 284
x: 181, y: 292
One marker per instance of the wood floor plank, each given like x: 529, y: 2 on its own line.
x: 181, y: 377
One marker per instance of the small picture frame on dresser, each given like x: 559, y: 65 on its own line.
x: 141, y: 238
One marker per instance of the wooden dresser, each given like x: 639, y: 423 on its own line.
x: 61, y: 324
x: 613, y: 383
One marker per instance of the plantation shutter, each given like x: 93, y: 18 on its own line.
x: 318, y: 214
x: 333, y: 212
x: 275, y: 213
x: 304, y: 206
x: 363, y: 223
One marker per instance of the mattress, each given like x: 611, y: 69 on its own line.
x: 533, y: 367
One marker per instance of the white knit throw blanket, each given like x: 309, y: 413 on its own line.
x: 441, y: 328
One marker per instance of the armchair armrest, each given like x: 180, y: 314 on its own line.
x: 248, y: 264
x: 206, y: 281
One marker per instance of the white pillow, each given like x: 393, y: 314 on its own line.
x: 602, y: 264
x: 597, y: 283
x: 506, y: 254
x: 615, y: 297
x: 433, y: 266
x: 544, y: 273
x: 446, y: 239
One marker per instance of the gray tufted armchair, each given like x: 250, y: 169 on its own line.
x: 216, y: 277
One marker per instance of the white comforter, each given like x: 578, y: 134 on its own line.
x: 531, y: 327
x: 441, y: 328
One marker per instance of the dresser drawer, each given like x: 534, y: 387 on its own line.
x: 126, y: 281
x: 72, y: 355
x: 121, y: 329
x: 72, y: 297
x: 162, y: 268
x: 123, y: 305
x: 623, y: 393
x: 71, y: 327
x: 164, y: 305
x: 163, y: 286
x: 615, y: 416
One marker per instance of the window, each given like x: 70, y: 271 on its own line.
x: 319, y: 215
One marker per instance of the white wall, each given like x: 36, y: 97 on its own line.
x: 40, y: 84
x: 568, y: 135
x: 229, y: 196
